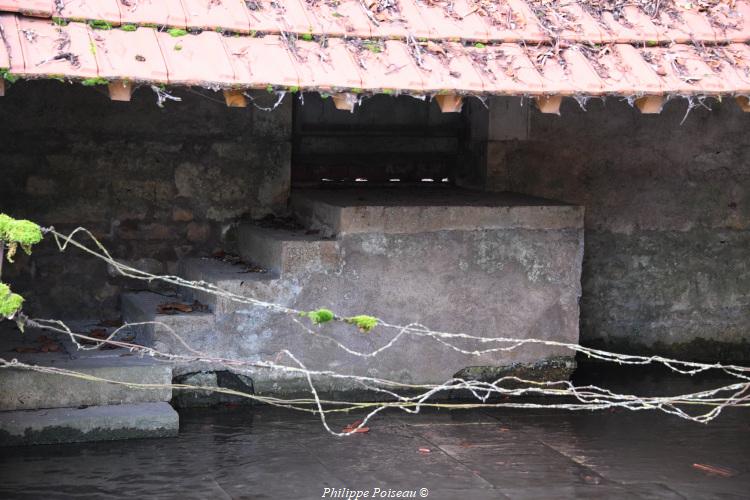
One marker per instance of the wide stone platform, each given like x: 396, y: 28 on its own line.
x: 491, y: 265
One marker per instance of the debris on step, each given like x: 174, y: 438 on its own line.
x: 236, y: 260
x: 180, y: 307
x: 273, y: 222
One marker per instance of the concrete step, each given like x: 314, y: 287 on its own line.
x: 341, y: 211
x: 196, y: 328
x: 288, y: 251
x: 92, y: 423
x: 29, y: 390
x: 229, y: 277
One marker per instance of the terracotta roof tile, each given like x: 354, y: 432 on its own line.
x: 506, y: 70
x: 102, y: 10
x: 41, y: 8
x: 154, y: 12
x: 448, y: 66
x: 520, y: 47
x: 56, y: 51
x: 327, y: 67
x: 275, y: 16
x: 454, y: 20
x: 199, y: 60
x: 226, y: 15
x: 260, y: 62
x: 135, y: 56
x: 11, y: 36
x: 344, y: 18
x: 389, y: 68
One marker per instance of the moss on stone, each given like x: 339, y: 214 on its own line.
x: 10, y: 303
x: 321, y: 316
x: 91, y: 82
x: 363, y: 322
x: 17, y: 233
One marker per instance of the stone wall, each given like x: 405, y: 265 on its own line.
x: 667, y: 252
x: 155, y: 184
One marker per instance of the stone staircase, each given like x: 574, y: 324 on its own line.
x: 38, y: 408
x: 492, y: 264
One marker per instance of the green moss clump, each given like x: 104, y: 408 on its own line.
x: 7, y: 75
x: 10, y: 303
x: 128, y: 27
x: 479, y: 45
x: 308, y: 37
x: 177, y: 32
x: 91, y: 82
x: 100, y: 25
x: 363, y: 322
x: 321, y: 316
x: 372, y: 46
x: 18, y: 232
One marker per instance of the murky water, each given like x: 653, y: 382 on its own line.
x: 268, y: 453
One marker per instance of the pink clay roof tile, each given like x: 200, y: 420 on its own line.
x: 518, y: 47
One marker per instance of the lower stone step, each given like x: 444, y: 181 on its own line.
x: 92, y: 423
x: 30, y: 390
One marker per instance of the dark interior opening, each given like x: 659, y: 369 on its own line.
x: 387, y: 141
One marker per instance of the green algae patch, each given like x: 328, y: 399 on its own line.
x: 10, y: 303
x: 15, y: 233
x: 321, y: 316
x: 363, y: 322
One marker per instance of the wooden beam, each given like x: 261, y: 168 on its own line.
x: 549, y: 104
x: 450, y: 103
x: 235, y: 98
x: 744, y: 103
x: 345, y: 101
x: 120, y: 90
x: 650, y: 104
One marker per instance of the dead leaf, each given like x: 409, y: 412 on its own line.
x: 100, y: 334
x: 174, y: 307
x: 51, y: 347
x: 715, y: 470
x: 26, y: 350
x: 354, y: 428
x: 435, y: 48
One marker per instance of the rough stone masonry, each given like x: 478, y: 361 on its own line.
x: 667, y: 211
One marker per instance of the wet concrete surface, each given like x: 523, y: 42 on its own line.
x: 268, y: 453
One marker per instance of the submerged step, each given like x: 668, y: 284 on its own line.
x: 288, y: 251
x: 92, y: 423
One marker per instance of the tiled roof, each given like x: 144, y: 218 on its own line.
x: 540, y: 48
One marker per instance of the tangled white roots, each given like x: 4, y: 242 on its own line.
x: 406, y: 397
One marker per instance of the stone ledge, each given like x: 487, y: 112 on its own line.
x: 93, y: 423
x: 411, y: 210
